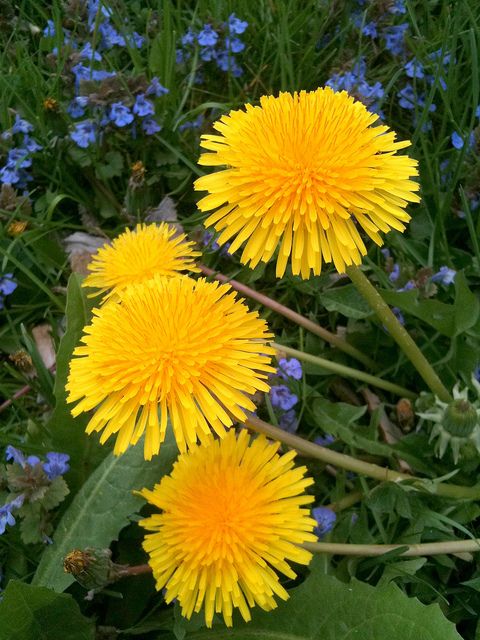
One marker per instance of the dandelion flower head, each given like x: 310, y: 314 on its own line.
x: 171, y: 347
x: 232, y: 515
x: 135, y: 256
x: 305, y: 172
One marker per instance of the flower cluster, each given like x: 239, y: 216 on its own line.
x: 18, y: 158
x: 219, y: 46
x: 35, y: 488
x: 283, y: 400
x: 355, y: 83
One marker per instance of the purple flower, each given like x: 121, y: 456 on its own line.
x: 282, y: 398
x: 120, y: 115
x: 235, y: 25
x: 408, y: 286
x: 143, y: 107
x: 288, y: 421
x: 14, y: 454
x: 325, y: 518
x: 88, y: 53
x: 394, y: 38
x: 370, y: 29
x: 207, y: 54
x: 385, y: 252
x: 234, y: 44
x: 290, y: 368
x: 207, y: 36
x: 324, y: 441
x: 21, y: 126
x: 444, y: 276
x: 56, y: 465
x: 84, y: 133
x: 155, y: 88
x: 395, y: 274
x: 414, y: 69
x: 110, y: 36
x: 31, y: 145
x: 9, y: 175
x: 150, y: 126
x: 76, y: 108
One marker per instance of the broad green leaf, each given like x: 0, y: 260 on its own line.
x: 30, y: 613
x: 323, y: 608
x: 68, y: 433
x: 437, y: 314
x: 102, y: 508
x: 467, y: 306
x: 111, y: 168
x: 347, y: 301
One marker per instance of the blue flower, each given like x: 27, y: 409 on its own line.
x: 85, y: 73
x: 409, y: 99
x: 110, y: 36
x: 9, y: 175
x: 88, y: 53
x: 11, y: 453
x: 290, y: 368
x: 234, y: 44
x: 76, y: 108
x: 150, y: 126
x: 414, y: 68
x: 207, y: 36
x: 398, y: 7
x: 49, y: 30
x: 394, y: 38
x: 398, y: 314
x: 325, y: 518
x: 408, y: 286
x: 288, y: 421
x: 155, y: 88
x: 385, y: 252
x: 324, y: 441
x: 188, y: 38
x: 282, y: 398
x: 18, y: 157
x: 235, y: 25
x: 395, y: 273
x: 84, y: 133
x: 477, y: 112
x: 31, y: 145
x: 56, y: 465
x: 457, y: 140
x: 120, y: 115
x: 135, y: 40
x: 194, y: 124
x: 439, y: 56
x: 370, y: 29
x: 444, y: 276
x: 21, y: 126
x: 207, y: 54
x: 6, y: 517
x: 93, y: 7
x: 143, y: 107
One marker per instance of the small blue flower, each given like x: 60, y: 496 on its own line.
x: 207, y: 36
x: 290, y: 368
x: 194, y: 124
x: 399, y: 315
x: 135, y: 40
x: 325, y: 518
x: 370, y: 29
x: 398, y: 7
x: 235, y: 25
x: 324, y: 441
x: 31, y: 145
x: 188, y: 38
x: 408, y: 286
x: 207, y: 54
x: 234, y: 44
x: 49, y: 30
x: 444, y: 275
x: 385, y: 252
x: 288, y: 421
x: 477, y: 112
x: 394, y: 38
x: 11, y: 453
x: 110, y: 36
x: 282, y: 398
x: 120, y: 115
x: 150, y: 126
x: 76, y: 108
x: 457, y: 140
x: 99, y: 75
x: 93, y: 7
x: 414, y: 69
x: 155, y: 88
x: 143, y: 107
x: 395, y: 273
x: 84, y: 133
x: 9, y: 175
x: 18, y: 157
x: 87, y: 53
x: 6, y: 517
x: 21, y: 126
x: 56, y: 465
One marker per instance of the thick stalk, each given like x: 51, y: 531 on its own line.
x: 343, y: 370
x: 343, y: 461
x: 398, y: 332
x: 311, y: 326
x: 409, y: 550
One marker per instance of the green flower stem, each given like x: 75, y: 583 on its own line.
x: 398, y: 332
x: 343, y: 370
x: 311, y: 326
x: 409, y: 550
x: 346, y: 502
x: 343, y: 461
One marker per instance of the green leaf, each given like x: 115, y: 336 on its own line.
x: 347, y: 301
x: 467, y: 306
x: 30, y: 524
x: 55, y: 494
x: 323, y: 608
x: 36, y: 613
x: 112, y: 166
x: 68, y: 433
x: 102, y: 508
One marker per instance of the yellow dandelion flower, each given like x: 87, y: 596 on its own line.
x: 305, y: 172
x: 172, y: 347
x: 232, y: 515
x: 136, y: 256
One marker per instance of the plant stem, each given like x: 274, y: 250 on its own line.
x: 409, y: 550
x: 135, y: 570
x: 398, y: 332
x: 311, y: 326
x: 384, y: 474
x: 343, y: 370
